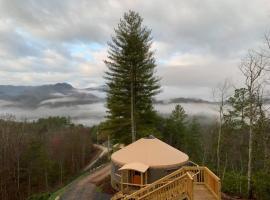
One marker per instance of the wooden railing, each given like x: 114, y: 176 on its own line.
x: 203, y: 175
x: 157, y: 184
x: 212, y: 182
x: 178, y: 185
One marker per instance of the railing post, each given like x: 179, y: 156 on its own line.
x: 122, y: 181
x: 219, y: 190
x: 192, y: 190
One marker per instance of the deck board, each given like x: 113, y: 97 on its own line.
x: 201, y: 192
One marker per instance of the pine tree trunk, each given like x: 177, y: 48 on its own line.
x: 46, y: 180
x: 29, y: 183
x: 218, y: 142
x: 225, y: 167
x: 265, y: 143
x: 250, y: 159
x: 132, y: 101
x: 18, y: 173
x: 61, y: 173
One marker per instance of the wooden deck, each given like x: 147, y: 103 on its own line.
x: 192, y: 183
x: 201, y: 192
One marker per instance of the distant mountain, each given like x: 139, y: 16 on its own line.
x: 188, y: 100
x: 182, y: 100
x: 101, y: 88
x: 59, y: 94
x: 63, y: 94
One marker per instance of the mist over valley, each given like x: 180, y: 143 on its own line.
x: 83, y: 106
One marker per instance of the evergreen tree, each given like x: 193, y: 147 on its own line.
x: 130, y: 80
x: 246, y: 114
x: 193, y: 137
x: 178, y: 114
x: 176, y: 127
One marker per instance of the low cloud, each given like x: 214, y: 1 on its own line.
x: 197, y: 43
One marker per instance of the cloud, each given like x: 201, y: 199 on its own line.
x: 197, y: 70
x: 197, y: 43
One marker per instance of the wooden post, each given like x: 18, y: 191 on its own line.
x: 141, y: 179
x: 122, y: 181
x: 146, y: 177
x: 219, y: 190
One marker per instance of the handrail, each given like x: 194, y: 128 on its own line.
x: 163, y: 186
x: 117, y: 196
x: 212, y: 174
x: 159, y: 182
x: 212, y: 182
x: 133, y: 184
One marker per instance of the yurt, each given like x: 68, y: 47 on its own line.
x: 143, y: 162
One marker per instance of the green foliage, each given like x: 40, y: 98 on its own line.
x: 183, y: 133
x: 131, y: 67
x: 262, y: 185
x: 53, y: 123
x: 240, y: 112
x: 246, y: 114
x: 43, y: 196
x: 239, y: 102
x: 178, y: 114
x: 175, y: 127
x: 234, y: 183
x: 193, y: 137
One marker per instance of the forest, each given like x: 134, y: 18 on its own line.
x: 38, y: 157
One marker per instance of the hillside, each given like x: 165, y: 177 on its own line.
x: 56, y: 95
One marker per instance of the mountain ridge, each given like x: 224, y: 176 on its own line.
x: 64, y: 94
x: 52, y: 95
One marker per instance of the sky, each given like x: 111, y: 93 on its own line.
x: 197, y: 43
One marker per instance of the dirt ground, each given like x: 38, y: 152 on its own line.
x: 227, y: 197
x: 86, y: 188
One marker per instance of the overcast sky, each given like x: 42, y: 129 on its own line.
x: 198, y: 43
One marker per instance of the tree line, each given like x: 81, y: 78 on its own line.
x: 37, y: 157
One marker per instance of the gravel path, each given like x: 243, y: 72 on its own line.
x: 103, y: 150
x: 85, y: 188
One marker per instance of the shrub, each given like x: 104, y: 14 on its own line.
x: 262, y: 186
x: 42, y: 196
x: 234, y: 183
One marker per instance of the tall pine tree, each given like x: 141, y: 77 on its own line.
x: 131, y: 81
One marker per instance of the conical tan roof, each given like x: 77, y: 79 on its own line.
x: 151, y: 152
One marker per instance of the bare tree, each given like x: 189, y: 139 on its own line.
x: 252, y: 67
x: 221, y: 94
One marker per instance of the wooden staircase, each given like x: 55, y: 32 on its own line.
x: 192, y: 183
